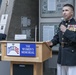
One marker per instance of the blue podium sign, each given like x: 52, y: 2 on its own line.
x: 27, y: 49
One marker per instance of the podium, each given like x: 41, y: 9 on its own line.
x: 43, y: 52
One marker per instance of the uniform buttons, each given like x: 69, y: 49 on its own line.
x: 66, y: 23
x: 62, y: 38
x: 72, y: 50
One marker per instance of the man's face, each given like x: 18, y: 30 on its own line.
x: 67, y: 12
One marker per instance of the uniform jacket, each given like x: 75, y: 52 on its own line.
x: 67, y: 52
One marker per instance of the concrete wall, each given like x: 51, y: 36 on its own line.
x: 4, y: 68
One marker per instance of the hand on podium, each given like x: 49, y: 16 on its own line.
x: 49, y: 43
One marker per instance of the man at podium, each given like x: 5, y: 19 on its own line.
x: 66, y: 37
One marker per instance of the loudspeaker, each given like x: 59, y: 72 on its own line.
x: 22, y: 69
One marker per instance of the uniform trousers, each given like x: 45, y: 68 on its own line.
x: 66, y: 70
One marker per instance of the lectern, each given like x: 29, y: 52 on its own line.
x: 25, y: 52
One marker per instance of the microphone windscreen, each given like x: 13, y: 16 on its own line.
x: 62, y: 18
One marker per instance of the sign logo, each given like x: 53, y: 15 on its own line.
x: 13, y: 49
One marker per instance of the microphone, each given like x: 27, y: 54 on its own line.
x: 62, y: 19
x: 62, y: 23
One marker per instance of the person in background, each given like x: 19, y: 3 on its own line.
x: 66, y: 37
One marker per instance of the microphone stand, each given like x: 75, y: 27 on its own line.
x: 35, y: 33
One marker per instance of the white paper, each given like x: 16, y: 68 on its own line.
x: 48, y: 32
x: 3, y: 22
x: 51, y: 5
x: 20, y: 36
x: 4, y: 19
x: 2, y: 28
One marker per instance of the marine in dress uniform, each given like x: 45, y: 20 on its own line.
x: 67, y: 42
x: 66, y: 37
